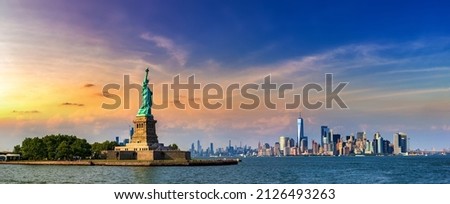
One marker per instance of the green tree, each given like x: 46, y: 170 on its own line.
x: 33, y: 149
x: 17, y: 150
x: 110, y: 145
x: 81, y: 148
x: 51, y: 142
x: 60, y: 147
x: 173, y: 147
x: 64, y: 151
x: 97, y: 148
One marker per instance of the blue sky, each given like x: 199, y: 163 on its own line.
x: 394, y: 54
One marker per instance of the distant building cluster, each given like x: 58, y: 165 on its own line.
x: 126, y: 140
x: 333, y: 144
x: 330, y: 144
x: 229, y: 151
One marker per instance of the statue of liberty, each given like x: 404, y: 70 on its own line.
x: 146, y: 106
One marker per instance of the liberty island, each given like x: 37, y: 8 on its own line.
x: 144, y: 148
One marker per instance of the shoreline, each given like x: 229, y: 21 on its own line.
x: 202, y: 162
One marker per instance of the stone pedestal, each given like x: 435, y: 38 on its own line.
x: 144, y: 137
x: 144, y: 131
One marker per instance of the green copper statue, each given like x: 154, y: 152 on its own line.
x: 146, y: 106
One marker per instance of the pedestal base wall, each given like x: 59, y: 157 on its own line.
x: 149, y: 155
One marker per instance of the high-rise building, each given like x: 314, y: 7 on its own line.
x: 291, y: 142
x: 300, y: 130
x: 361, y: 136
x: 336, y: 138
x: 360, y: 143
x: 339, y: 147
x: 131, y: 132
x: 334, y: 141
x: 304, y: 144
x: 323, y: 134
x: 349, y: 137
x: 400, y: 143
x: 211, y: 148
x: 378, y: 144
x: 329, y: 147
x: 315, y: 147
x: 193, y: 149
x: 199, y: 148
x: 284, y: 142
x: 375, y: 146
x: 276, y: 149
x: 369, y: 147
x: 326, y: 139
x: 117, y: 140
x: 386, y: 147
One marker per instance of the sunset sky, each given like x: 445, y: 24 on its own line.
x: 56, y: 56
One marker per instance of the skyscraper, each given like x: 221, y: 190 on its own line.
x: 291, y: 142
x: 192, y: 149
x: 199, y: 148
x: 303, y: 144
x: 360, y: 142
x: 211, y: 148
x: 387, y: 147
x: 315, y: 147
x: 378, y: 144
x: 400, y: 143
x: 349, y: 138
x: 326, y: 139
x: 369, y: 147
x: 117, y: 140
x: 284, y: 142
x: 300, y: 131
x: 323, y: 135
x: 361, y: 136
x: 276, y: 149
x: 334, y: 141
x: 131, y: 132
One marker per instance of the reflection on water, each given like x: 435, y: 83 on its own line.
x: 250, y: 170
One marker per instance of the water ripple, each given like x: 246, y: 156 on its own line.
x: 367, y: 170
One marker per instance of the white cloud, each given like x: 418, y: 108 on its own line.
x: 400, y: 93
x: 173, y: 50
x: 430, y: 69
x: 443, y: 127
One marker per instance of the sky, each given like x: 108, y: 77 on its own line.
x: 56, y: 57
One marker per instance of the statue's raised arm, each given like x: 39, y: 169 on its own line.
x: 146, y: 76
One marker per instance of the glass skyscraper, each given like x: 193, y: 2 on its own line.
x: 300, y: 131
x: 378, y: 143
x: 326, y: 134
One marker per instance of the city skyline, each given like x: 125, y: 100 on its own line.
x: 346, y: 144
x: 55, y: 59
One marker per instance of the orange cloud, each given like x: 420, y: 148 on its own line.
x: 72, y: 104
x: 88, y: 85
